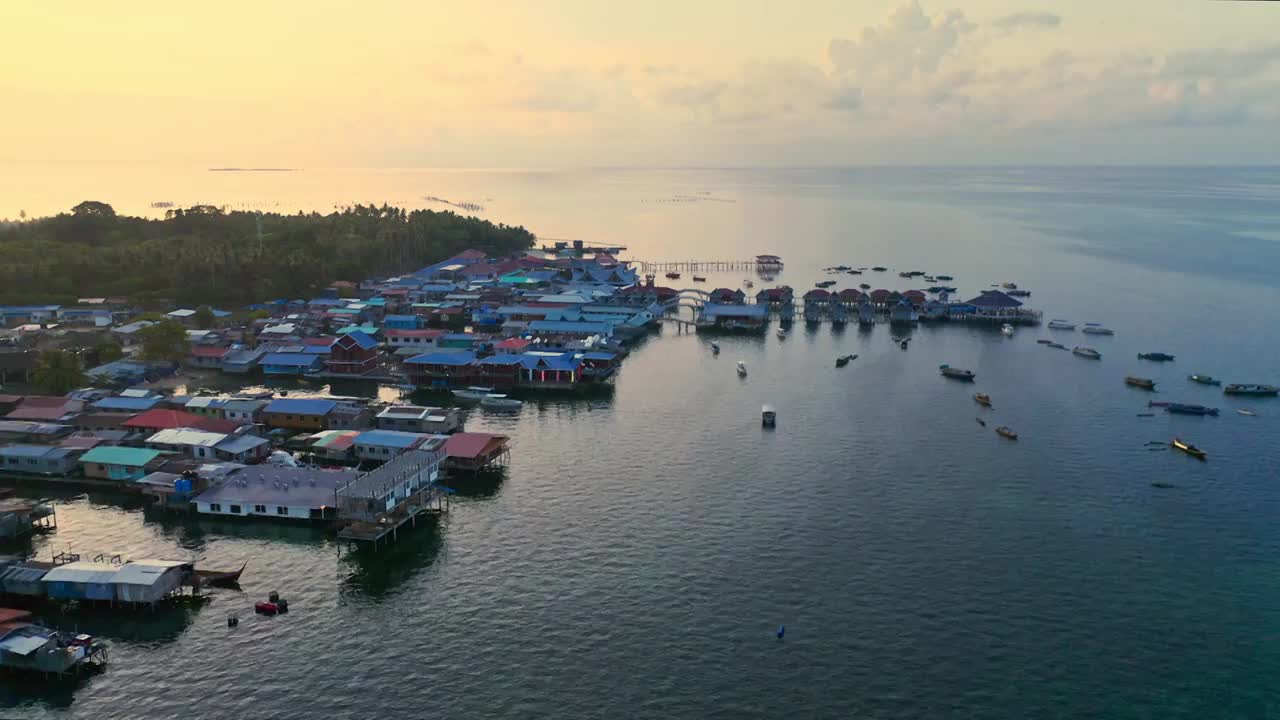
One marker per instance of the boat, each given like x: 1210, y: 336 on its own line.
x: 981, y: 422
x: 1006, y: 330
x: 1157, y: 403
x: 715, y: 348
x: 673, y: 276
x: 1009, y: 286
x: 1155, y: 357
x: 217, y: 578
x: 953, y: 373
x: 473, y: 393
x: 1250, y: 390
x: 1140, y: 382
x: 1044, y: 342
x: 865, y: 286
x: 929, y: 278
x: 903, y: 344
x: 982, y: 399
x: 844, y: 360
x: 1163, y: 485
x: 782, y: 334
x: 1087, y: 352
x: 1058, y: 346
x: 500, y: 402
x: 1006, y: 432
x: 699, y: 278
x: 1203, y: 379
x: 1061, y: 325
x: 1096, y: 329
x: 1250, y: 413
x: 944, y: 278
x: 824, y: 284
x: 1188, y: 448
x: 854, y: 272
x: 1185, y: 409
x: 768, y: 417
x: 1019, y: 293
x: 879, y: 269
x: 742, y: 369
x: 748, y: 283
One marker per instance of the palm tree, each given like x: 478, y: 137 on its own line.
x: 58, y: 372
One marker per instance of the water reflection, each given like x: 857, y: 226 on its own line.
x: 192, y: 532
x: 477, y: 486
x: 378, y: 572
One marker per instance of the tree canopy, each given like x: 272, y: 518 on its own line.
x: 202, y: 255
x: 57, y: 372
x: 166, y: 340
x: 204, y: 317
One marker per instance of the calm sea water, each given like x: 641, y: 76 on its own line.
x: 641, y: 551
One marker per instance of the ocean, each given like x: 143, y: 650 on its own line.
x: 641, y: 551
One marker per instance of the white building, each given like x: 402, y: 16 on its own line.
x: 278, y: 492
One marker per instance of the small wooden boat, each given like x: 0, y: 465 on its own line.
x: 1185, y: 409
x: 474, y: 393
x: 1163, y: 485
x: 1006, y: 432
x: 1262, y: 390
x: 673, y: 276
x: 748, y: 283
x: 1189, y: 449
x: 742, y: 369
x: 1009, y: 286
x: 715, y: 348
x: 1157, y: 403
x: 1140, y: 382
x: 1042, y: 341
x: 1250, y: 413
x: 1057, y: 346
x: 768, y: 416
x: 844, y: 360
x: 782, y: 334
x: 954, y: 373
x: 1087, y: 352
x: 981, y: 422
x: 879, y: 269
x: 498, y: 401
x: 1019, y: 293
x: 1155, y: 357
x: 1203, y: 379
x: 1061, y: 325
x: 217, y: 578
x: 982, y: 399
x: 903, y: 344
x: 1006, y: 330
x: 944, y: 277
x: 1146, y: 414
x: 699, y: 278
x: 1096, y: 329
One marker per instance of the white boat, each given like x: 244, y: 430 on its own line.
x: 748, y: 283
x: 782, y: 334
x: 768, y: 416
x: 496, y: 401
x: 1007, y: 330
x: 1061, y: 325
x: 742, y: 369
x: 1096, y: 329
x: 1087, y: 352
x: 715, y: 348
x: 473, y: 393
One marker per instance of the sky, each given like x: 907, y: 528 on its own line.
x: 563, y: 83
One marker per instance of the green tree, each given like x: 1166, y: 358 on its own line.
x: 259, y: 315
x: 108, y: 350
x: 204, y: 317
x: 166, y: 340
x: 57, y: 372
x: 94, y: 208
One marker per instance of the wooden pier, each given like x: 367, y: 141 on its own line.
x: 376, y: 506
x: 708, y: 265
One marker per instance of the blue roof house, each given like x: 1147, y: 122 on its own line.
x: 290, y: 364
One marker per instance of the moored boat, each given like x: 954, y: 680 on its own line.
x: 1019, y: 293
x: 1058, y: 346
x: 879, y: 269
x: 981, y: 422
x: 1006, y: 330
x: 500, y: 402
x: 782, y: 334
x: 1096, y: 329
x: 673, y: 276
x: 1187, y: 409
x: 844, y: 360
x: 742, y: 369
x: 1087, y: 352
x: 1250, y: 413
x: 982, y: 399
x: 944, y: 277
x: 699, y: 278
x: 1188, y: 448
x: 201, y: 577
x: 715, y: 348
x: 473, y: 393
x: 1140, y: 382
x: 1006, y: 432
x: 953, y: 373
x: 1061, y: 325
x: 1155, y: 357
x: 768, y: 416
x: 1262, y: 390
x: 1009, y: 286
x: 1203, y: 379
x: 865, y: 286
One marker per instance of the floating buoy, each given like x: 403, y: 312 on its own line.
x: 782, y: 630
x: 232, y: 621
x: 273, y: 596
x: 283, y: 605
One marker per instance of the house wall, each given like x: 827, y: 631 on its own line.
x: 113, y: 472
x: 295, y: 422
x: 248, y: 509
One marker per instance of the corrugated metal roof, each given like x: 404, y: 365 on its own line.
x: 443, y: 358
x: 22, y: 573
x: 186, y: 436
x: 24, y: 641
x: 145, y: 572
x: 29, y: 451
x: 82, y: 571
x: 126, y: 403
x: 112, y: 455
x: 301, y: 406
x: 389, y: 438
x: 241, y: 443
x: 289, y: 359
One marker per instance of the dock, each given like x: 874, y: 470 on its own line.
x: 373, y: 508
x: 708, y: 265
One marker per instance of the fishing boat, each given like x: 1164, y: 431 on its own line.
x: 217, y: 578
x: 1158, y: 403
x: 768, y: 417
x: 748, y: 283
x: 1155, y: 357
x: 1009, y: 286
x: 1058, y: 346
x: 1140, y: 382
x: 844, y: 360
x: 854, y: 272
x: 1262, y: 390
x: 946, y: 278
x: 982, y: 399
x: 1087, y: 352
x: 500, y: 402
x: 715, y: 348
x: 1006, y: 330
x: 1019, y: 293
x: 903, y: 344
x: 1006, y: 432
x: 1188, y: 448
x: 1250, y: 413
x: 473, y: 393
x: 1203, y: 379
x: 1061, y: 325
x: 1042, y: 341
x: 673, y: 276
x: 865, y: 286
x: 953, y: 373
x: 742, y: 369
x: 1096, y: 329
x: 699, y: 278
x: 879, y: 269
x: 1186, y: 409
x: 782, y: 334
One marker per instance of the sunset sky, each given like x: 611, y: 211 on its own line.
x: 661, y: 82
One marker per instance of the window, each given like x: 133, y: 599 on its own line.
x: 102, y: 468
x: 32, y: 461
x: 260, y: 508
x: 282, y: 510
x: 235, y: 509
x: 13, y: 461
x: 215, y: 507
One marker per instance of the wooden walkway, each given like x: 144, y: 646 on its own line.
x: 710, y: 265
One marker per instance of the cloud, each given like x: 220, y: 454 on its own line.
x: 692, y: 94
x: 1028, y: 20
x: 910, y: 42
x: 845, y: 99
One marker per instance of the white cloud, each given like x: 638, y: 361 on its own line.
x: 1031, y: 20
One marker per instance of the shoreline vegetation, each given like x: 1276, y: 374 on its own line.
x: 203, y: 255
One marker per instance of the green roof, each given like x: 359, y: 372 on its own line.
x: 112, y: 455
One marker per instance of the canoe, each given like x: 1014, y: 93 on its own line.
x: 1189, y: 449
x: 1140, y: 382
x: 1006, y: 432
x: 1247, y: 412
x: 982, y: 399
x: 1203, y: 379
x: 1155, y: 357
x: 1251, y: 390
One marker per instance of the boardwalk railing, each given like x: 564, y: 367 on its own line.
x: 710, y: 265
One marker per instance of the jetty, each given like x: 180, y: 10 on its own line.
x: 373, y: 508
x: 767, y: 263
